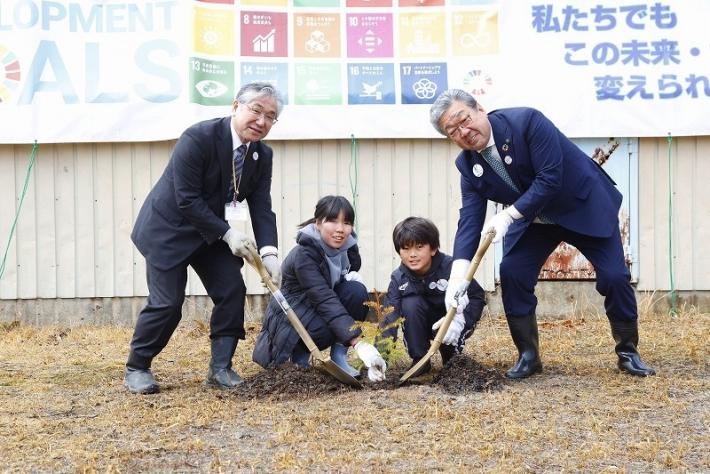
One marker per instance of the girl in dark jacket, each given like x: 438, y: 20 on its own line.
x: 321, y: 283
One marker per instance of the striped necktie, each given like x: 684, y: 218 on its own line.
x: 237, y: 167
x: 238, y: 158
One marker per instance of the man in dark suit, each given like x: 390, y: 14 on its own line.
x: 553, y: 193
x: 187, y: 220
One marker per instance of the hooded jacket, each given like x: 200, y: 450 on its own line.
x: 306, y: 285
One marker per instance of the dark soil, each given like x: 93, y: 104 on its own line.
x: 460, y: 376
x: 464, y: 375
x: 288, y: 381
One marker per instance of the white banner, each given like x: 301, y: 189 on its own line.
x: 95, y: 71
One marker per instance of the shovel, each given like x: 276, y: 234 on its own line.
x: 438, y: 339
x: 322, y: 362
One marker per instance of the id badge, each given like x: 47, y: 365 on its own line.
x: 236, y: 211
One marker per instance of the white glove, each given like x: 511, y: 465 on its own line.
x: 455, y: 328
x: 354, y: 276
x: 463, y: 302
x: 372, y: 359
x: 273, y: 266
x: 456, y: 283
x: 238, y: 242
x: 501, y: 221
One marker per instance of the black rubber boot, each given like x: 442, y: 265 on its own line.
x: 626, y: 335
x: 220, y: 373
x: 447, y: 352
x: 526, y: 339
x: 138, y: 377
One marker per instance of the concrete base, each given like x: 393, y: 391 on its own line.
x: 556, y: 300
x: 109, y: 311
x: 566, y: 299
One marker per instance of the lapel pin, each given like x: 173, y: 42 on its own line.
x: 255, y: 156
x: 508, y: 160
x: 505, y: 146
x: 477, y: 170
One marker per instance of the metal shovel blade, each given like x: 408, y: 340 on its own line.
x: 322, y: 362
x: 438, y: 339
x: 327, y: 366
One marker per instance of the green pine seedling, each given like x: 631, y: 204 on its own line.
x: 373, y: 332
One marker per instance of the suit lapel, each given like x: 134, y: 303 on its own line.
x: 489, y: 176
x: 224, y: 156
x: 497, y: 189
x: 249, y: 164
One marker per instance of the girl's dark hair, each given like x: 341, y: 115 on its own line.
x: 415, y: 230
x: 329, y: 208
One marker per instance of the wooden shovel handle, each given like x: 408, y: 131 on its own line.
x: 470, y: 272
x: 256, y: 262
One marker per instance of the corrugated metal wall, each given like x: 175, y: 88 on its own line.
x: 689, y: 170
x: 72, y: 236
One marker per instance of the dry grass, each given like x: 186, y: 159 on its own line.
x: 63, y: 408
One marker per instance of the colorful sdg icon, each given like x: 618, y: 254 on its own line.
x: 10, y: 78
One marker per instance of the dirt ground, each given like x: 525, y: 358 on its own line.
x: 63, y: 407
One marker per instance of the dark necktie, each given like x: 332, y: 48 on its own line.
x: 237, y: 166
x: 239, y: 159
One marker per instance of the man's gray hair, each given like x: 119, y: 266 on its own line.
x: 255, y: 90
x: 444, y: 101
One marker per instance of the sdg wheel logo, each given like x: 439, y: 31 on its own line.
x: 478, y: 82
x: 9, y: 73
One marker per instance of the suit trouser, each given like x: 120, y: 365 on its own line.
x: 420, y: 315
x: 521, y: 266
x: 220, y: 273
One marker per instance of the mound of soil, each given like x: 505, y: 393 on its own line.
x: 460, y: 376
x: 464, y: 375
x: 288, y: 381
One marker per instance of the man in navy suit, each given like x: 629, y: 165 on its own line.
x: 219, y: 173
x: 553, y: 193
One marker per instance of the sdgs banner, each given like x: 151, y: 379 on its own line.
x: 96, y: 71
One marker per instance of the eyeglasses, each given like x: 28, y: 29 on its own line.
x: 455, y: 130
x: 257, y: 112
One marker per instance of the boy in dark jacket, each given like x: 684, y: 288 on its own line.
x: 417, y: 290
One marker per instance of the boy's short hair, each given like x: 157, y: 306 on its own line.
x: 415, y: 230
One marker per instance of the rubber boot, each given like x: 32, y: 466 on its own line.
x: 339, y: 355
x: 626, y: 335
x: 447, y: 352
x: 526, y: 339
x: 301, y: 356
x: 138, y: 377
x: 220, y: 373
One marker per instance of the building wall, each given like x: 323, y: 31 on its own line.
x: 72, y: 235
x: 687, y: 230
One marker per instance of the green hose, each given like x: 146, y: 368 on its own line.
x: 353, y: 172
x: 674, y: 302
x: 30, y: 164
